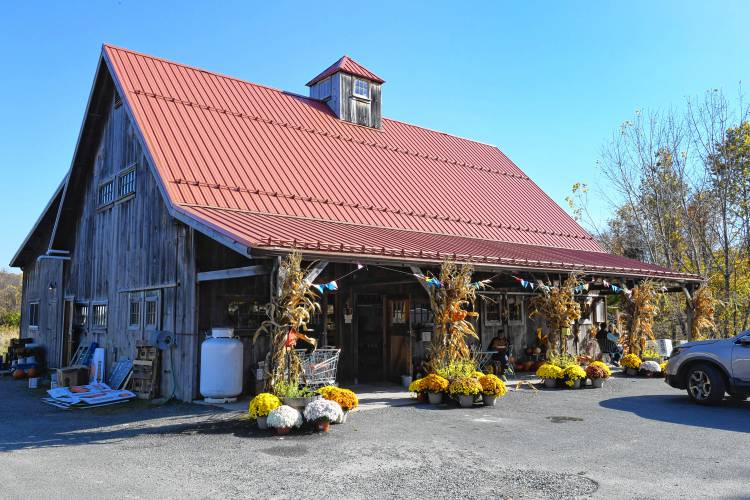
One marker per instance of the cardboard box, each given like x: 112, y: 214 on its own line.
x: 72, y: 375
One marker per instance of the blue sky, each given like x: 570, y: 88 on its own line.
x: 547, y: 82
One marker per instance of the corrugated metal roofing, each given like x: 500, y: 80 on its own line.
x: 230, y: 147
x: 347, y: 65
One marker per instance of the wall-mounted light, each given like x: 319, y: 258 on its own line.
x: 52, y: 286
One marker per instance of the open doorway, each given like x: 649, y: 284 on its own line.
x: 370, y: 337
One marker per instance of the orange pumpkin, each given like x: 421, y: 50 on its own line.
x: 32, y: 372
x: 18, y: 374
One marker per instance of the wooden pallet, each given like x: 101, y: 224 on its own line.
x: 144, y: 380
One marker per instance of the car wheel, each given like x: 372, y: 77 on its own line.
x: 739, y: 396
x: 705, y: 384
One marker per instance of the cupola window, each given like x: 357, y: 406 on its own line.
x: 362, y: 88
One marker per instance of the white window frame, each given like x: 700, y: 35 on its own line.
x: 135, y: 298
x: 519, y: 300
x: 81, y: 319
x: 354, y: 88
x: 128, y: 170
x: 94, y: 306
x: 100, y: 203
x: 35, y: 324
x: 152, y: 298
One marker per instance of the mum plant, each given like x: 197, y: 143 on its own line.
x: 262, y: 405
x: 344, y: 397
x: 650, y: 367
x: 435, y: 383
x: 549, y: 372
x: 598, y: 370
x: 492, y: 386
x: 663, y: 366
x: 417, y: 386
x: 631, y: 361
x: 465, y: 386
x: 573, y: 373
x: 323, y: 411
x: 284, y: 417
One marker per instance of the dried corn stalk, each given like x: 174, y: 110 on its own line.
x: 288, y: 315
x: 449, y: 300
x: 640, y: 311
x: 703, y: 314
x: 559, y: 309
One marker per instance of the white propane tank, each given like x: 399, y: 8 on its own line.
x: 221, y: 367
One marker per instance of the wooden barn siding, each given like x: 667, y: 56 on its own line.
x: 37, y: 277
x: 134, y: 244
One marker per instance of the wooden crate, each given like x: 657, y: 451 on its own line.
x: 144, y: 381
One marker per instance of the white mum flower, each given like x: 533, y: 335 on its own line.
x: 650, y: 366
x: 323, y: 409
x: 284, y: 417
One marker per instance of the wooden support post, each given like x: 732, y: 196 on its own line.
x: 689, y: 311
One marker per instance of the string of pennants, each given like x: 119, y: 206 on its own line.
x: 434, y: 282
x: 583, y: 287
x: 333, y: 285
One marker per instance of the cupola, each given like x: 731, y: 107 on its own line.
x: 351, y: 91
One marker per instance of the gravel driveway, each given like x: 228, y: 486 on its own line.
x: 632, y: 439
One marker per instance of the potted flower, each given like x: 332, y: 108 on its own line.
x: 261, y: 405
x: 663, y: 367
x: 346, y: 399
x: 573, y: 375
x: 550, y: 374
x: 492, y: 388
x: 650, y: 355
x: 283, y: 419
x: 466, y: 390
x: 322, y: 412
x: 632, y: 363
x: 291, y: 394
x: 598, y: 372
x: 435, y: 386
x: 418, y: 388
x: 650, y: 368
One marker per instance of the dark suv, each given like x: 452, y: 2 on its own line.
x: 710, y: 368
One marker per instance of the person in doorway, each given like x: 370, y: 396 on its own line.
x: 613, y: 341
x: 499, y: 344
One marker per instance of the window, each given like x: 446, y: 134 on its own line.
x: 362, y: 88
x: 153, y: 313
x: 106, y: 193
x: 134, y: 311
x: 81, y: 315
x: 100, y: 315
x: 34, y: 314
x: 515, y: 310
x: 126, y: 183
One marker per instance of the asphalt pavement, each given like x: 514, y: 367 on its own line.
x: 635, y: 438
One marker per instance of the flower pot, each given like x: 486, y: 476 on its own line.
x: 597, y: 383
x: 435, y: 397
x: 576, y: 384
x: 343, y: 419
x: 631, y: 372
x: 322, y: 426
x: 300, y: 403
x: 406, y: 381
x: 283, y: 431
x: 262, y: 422
x: 422, y: 396
x: 550, y: 383
x: 466, y: 401
x: 488, y: 400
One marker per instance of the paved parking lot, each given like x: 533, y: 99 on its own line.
x: 632, y: 439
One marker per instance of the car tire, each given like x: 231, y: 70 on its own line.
x: 705, y: 384
x: 739, y: 396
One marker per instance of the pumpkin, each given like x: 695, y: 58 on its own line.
x: 18, y: 374
x: 32, y: 372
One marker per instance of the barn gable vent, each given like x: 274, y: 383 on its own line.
x: 351, y: 91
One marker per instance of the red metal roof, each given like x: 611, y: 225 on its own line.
x: 347, y: 65
x: 230, y: 151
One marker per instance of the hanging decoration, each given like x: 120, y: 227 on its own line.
x: 640, y: 311
x: 333, y: 284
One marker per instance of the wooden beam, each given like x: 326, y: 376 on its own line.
x: 315, y: 270
x: 237, y: 272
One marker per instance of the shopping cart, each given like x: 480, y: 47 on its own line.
x: 320, y: 366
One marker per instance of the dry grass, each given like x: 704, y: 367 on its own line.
x: 6, y: 333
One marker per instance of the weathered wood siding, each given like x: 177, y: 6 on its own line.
x: 42, y: 283
x: 133, y: 245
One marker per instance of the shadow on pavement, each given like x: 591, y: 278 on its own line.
x: 679, y: 409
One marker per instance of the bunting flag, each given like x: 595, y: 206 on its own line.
x: 429, y: 280
x: 331, y: 285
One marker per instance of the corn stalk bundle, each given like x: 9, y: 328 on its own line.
x: 288, y: 315
x: 558, y: 309
x: 703, y: 313
x: 449, y: 301
x: 640, y: 311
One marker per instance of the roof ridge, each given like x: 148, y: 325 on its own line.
x: 348, y: 223
x: 333, y: 135
x: 288, y: 92
x: 373, y: 208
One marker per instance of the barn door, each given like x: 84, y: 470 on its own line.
x: 399, y: 347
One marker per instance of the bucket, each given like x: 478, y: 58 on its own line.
x: 406, y: 381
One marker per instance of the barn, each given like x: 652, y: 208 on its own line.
x: 187, y: 187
